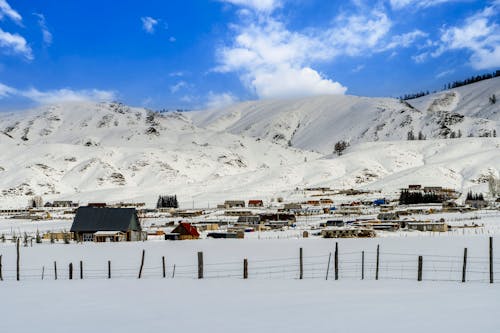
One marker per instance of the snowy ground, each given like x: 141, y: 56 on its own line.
x: 248, y: 306
x: 273, y: 299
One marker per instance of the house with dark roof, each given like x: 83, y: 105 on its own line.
x: 106, y: 225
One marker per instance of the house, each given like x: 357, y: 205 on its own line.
x: 97, y: 204
x: 255, y: 203
x: 234, y: 204
x: 266, y: 217
x: 117, y: 223
x: 62, y: 203
x: 428, y: 226
x: 249, y: 220
x: 326, y: 201
x: 183, y: 231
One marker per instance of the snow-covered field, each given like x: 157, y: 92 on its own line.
x: 272, y: 299
x: 248, y: 306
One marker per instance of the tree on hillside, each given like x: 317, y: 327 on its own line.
x: 340, y: 147
x: 493, y: 99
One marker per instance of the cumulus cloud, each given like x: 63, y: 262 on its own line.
x: 47, y: 35
x: 7, y: 11
x: 220, y: 100
x: 285, y: 81
x: 15, y: 44
x: 274, y: 61
x: 148, y: 24
x: 57, y: 95
x: 479, y: 34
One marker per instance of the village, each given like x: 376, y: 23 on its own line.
x: 323, y: 213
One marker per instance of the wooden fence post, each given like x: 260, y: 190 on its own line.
x: 336, y: 261
x: 377, y: 263
x: 301, y: 265
x: 55, y: 270
x: 362, y: 265
x: 464, y: 268
x: 142, y: 263
x: 245, y: 268
x: 17, y: 260
x: 200, y: 265
x: 328, y: 266
x: 491, y: 259
x: 163, y: 266
x: 109, y: 269
x: 1, y: 276
x: 81, y: 270
x: 71, y: 271
x: 419, y: 275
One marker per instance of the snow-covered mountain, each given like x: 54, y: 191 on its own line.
x: 317, y: 123
x: 112, y: 152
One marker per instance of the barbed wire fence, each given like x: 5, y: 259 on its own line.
x: 337, y: 265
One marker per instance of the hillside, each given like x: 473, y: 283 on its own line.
x: 112, y: 152
x: 317, y: 123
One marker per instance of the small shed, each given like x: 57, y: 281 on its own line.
x: 255, y: 203
x: 186, y: 231
x: 234, y: 204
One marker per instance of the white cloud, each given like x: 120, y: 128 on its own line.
x: 358, y: 68
x: 265, y: 52
x: 177, y: 74
x: 286, y: 81
x: 67, y: 95
x: 178, y: 86
x: 400, y: 4
x: 273, y: 61
x: 148, y: 24
x: 6, y: 10
x: 258, y: 5
x: 6, y: 91
x: 445, y: 73
x: 219, y: 100
x: 16, y: 44
x: 47, y: 35
x: 479, y: 34
x: 404, y: 40
x: 356, y: 34
x: 57, y: 95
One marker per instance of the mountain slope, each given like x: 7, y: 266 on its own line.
x: 112, y: 152
x: 317, y: 123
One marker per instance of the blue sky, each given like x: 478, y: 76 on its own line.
x: 197, y: 54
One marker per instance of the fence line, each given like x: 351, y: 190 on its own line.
x: 362, y: 265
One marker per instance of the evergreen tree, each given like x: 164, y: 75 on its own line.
x: 340, y: 146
